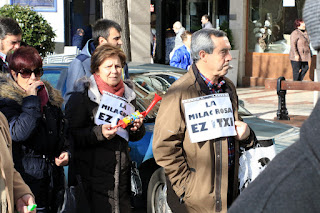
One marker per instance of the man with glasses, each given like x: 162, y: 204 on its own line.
x: 10, y: 39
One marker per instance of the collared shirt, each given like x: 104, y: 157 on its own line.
x: 3, y: 56
x: 217, y: 88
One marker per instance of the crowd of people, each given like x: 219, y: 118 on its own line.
x: 200, y: 157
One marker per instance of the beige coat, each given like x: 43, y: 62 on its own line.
x: 15, y: 186
x: 300, y: 45
x: 197, y: 170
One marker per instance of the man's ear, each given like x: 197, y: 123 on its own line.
x: 203, y: 55
x: 102, y: 40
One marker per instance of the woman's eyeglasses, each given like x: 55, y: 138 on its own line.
x: 26, y: 73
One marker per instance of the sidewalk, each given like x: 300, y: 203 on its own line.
x: 264, y: 104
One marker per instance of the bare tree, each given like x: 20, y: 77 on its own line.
x: 117, y: 10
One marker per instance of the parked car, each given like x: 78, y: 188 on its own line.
x: 155, y: 78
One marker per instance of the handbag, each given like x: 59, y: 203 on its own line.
x: 254, y: 160
x: 136, y: 184
x: 75, y: 199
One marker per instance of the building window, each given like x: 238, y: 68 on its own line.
x: 38, y: 5
x: 270, y: 25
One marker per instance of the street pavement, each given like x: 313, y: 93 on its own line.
x: 263, y: 103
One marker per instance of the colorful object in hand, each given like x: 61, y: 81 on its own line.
x: 32, y: 207
x: 130, y: 118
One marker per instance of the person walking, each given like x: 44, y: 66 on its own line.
x: 10, y: 39
x: 205, y: 22
x: 101, y: 156
x: 103, y: 31
x: 300, y: 53
x: 200, y: 156
x: 181, y: 57
x: 178, y: 30
x: 33, y: 110
x: 14, y: 191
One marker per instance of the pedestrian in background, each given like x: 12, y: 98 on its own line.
x: 103, y: 31
x: 14, y: 191
x: 300, y: 53
x: 33, y: 110
x: 290, y: 181
x: 101, y: 156
x: 204, y: 173
x: 205, y: 22
x: 181, y: 57
x: 77, y: 38
x: 10, y: 39
x: 178, y: 30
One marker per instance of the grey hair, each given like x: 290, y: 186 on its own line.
x: 201, y: 40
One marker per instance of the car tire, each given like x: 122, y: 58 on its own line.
x: 157, y: 193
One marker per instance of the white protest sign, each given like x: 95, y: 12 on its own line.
x: 209, y: 117
x: 289, y: 3
x: 113, y: 108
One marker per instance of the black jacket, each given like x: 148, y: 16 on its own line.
x: 3, y: 68
x: 37, y: 136
x: 101, y: 163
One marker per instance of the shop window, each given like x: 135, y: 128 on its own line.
x: 270, y: 25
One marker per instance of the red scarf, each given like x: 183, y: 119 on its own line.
x: 43, y: 95
x: 103, y: 86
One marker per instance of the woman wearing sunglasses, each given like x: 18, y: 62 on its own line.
x: 33, y: 110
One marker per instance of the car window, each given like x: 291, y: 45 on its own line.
x: 52, y: 76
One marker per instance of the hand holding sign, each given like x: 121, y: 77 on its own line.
x: 108, y: 132
x: 136, y: 118
x: 242, y: 129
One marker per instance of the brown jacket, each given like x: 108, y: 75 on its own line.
x: 15, y: 186
x: 300, y: 45
x: 197, y: 171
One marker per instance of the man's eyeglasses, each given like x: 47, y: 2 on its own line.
x: 26, y: 73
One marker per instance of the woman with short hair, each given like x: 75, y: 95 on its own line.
x: 101, y: 156
x: 33, y: 110
x: 300, y: 53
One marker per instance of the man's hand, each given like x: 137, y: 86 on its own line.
x: 23, y: 202
x: 242, y: 129
x: 62, y: 160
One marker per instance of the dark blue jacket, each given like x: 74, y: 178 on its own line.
x: 37, y: 138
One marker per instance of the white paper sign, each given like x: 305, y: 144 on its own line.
x: 113, y: 108
x: 289, y: 3
x: 209, y: 117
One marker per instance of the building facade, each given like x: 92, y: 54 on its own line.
x: 260, y: 30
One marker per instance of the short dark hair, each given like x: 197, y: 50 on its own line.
x: 9, y: 26
x: 102, y: 53
x: 24, y: 57
x: 297, y: 23
x: 102, y: 29
x: 206, y: 16
x: 185, y: 34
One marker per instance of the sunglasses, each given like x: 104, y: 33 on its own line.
x: 26, y: 73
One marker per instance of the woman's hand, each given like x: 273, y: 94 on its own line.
x: 23, y: 202
x: 242, y: 129
x: 63, y: 159
x: 137, y: 123
x: 108, y: 132
x: 297, y: 58
x: 32, y: 89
